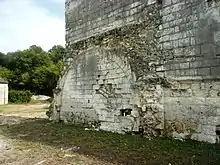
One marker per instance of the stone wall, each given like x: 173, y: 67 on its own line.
x: 190, y: 30
x: 97, y: 89
x: 151, y: 67
x: 88, y: 18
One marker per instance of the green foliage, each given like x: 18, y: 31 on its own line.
x: 18, y: 96
x: 2, y: 59
x: 5, y: 73
x: 56, y: 53
x: 45, y: 78
x: 32, y: 69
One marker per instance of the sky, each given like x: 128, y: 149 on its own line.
x: 31, y: 22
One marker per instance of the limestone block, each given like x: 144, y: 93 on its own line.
x: 127, y: 123
x: 135, y: 113
x: 111, y: 81
x: 112, y: 127
x: 208, y: 130
x: 108, y: 117
x: 99, y: 106
x: 160, y: 68
x: 218, y: 112
x: 200, y: 92
x: 194, y: 136
x: 160, y: 126
x: 215, y: 93
x: 206, y: 138
x: 203, y: 120
x: 149, y: 2
x: 171, y: 114
x: 216, y: 85
x: 185, y: 100
x: 199, y: 128
x: 213, y: 120
x: 180, y: 136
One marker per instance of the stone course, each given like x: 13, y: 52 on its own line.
x: 150, y: 67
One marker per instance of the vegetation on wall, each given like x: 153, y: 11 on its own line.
x: 32, y: 69
x: 139, y: 46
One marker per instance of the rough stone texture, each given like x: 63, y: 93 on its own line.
x: 88, y: 18
x: 190, y: 30
x: 4, y: 145
x: 98, y: 87
x: 192, y: 108
x: 142, y: 66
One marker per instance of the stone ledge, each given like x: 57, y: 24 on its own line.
x: 195, y: 78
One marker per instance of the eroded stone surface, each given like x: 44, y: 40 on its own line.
x: 147, y: 66
x: 4, y: 145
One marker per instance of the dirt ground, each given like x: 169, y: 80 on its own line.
x: 16, y: 151
x: 27, y: 137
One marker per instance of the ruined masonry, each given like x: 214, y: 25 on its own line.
x: 142, y: 66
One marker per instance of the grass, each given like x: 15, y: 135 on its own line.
x: 22, y: 109
x: 116, y: 148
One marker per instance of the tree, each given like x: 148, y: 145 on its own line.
x: 2, y: 59
x: 56, y: 53
x: 36, y: 49
x: 27, y: 60
x: 5, y: 73
x: 33, y: 69
x: 45, y: 78
x: 10, y: 60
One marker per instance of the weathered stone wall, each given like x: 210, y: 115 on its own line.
x: 192, y: 109
x: 149, y: 66
x: 88, y: 18
x: 190, y: 30
x: 97, y: 89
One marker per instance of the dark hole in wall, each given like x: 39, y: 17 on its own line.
x: 97, y: 91
x: 109, y: 86
x: 125, y: 112
x: 218, y: 133
x: 57, y: 108
x: 61, y: 121
x: 141, y: 131
x: 158, y: 132
x: 209, y: 2
x: 159, y: 2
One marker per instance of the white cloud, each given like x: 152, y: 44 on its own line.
x: 23, y: 23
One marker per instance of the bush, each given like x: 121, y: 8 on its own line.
x: 18, y: 96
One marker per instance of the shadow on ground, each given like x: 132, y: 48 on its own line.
x: 115, y: 148
x: 6, y: 120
